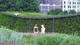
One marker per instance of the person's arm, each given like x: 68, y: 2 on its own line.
x: 33, y: 30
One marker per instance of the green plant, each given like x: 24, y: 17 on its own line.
x: 68, y: 25
x: 57, y: 39
x: 71, y: 41
x: 7, y: 35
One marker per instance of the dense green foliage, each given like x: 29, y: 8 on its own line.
x: 22, y: 24
x: 57, y: 12
x: 69, y: 25
x: 57, y: 39
x: 60, y: 12
x: 19, y: 5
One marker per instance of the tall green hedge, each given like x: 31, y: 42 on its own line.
x: 22, y: 24
x: 69, y: 25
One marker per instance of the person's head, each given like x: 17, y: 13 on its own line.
x: 35, y: 24
x: 42, y: 25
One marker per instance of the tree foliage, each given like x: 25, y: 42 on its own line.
x: 72, y: 12
x: 19, y: 5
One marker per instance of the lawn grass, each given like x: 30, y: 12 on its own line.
x: 31, y: 14
x: 25, y: 13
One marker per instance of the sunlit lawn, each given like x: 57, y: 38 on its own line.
x: 26, y: 13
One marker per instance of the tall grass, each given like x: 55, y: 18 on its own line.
x: 58, y: 39
x: 9, y: 36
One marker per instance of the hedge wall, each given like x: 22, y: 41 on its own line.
x: 69, y: 25
x: 24, y: 24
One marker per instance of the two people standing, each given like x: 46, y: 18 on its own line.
x: 36, y: 29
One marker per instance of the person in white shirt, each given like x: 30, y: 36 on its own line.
x: 42, y: 29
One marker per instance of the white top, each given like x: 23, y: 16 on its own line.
x: 42, y: 29
x: 35, y: 27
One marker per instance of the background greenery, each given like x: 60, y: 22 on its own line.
x: 60, y: 12
x: 69, y: 25
x: 19, y: 5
